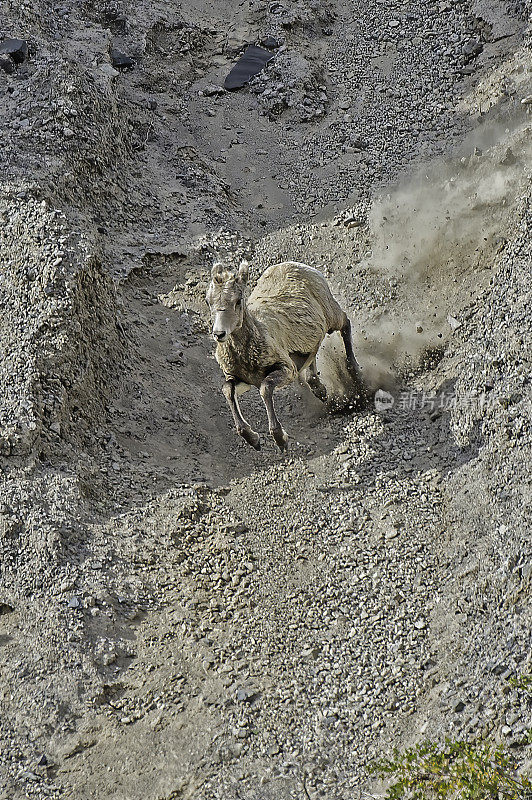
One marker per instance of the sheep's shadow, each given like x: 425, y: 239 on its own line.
x: 313, y: 431
x: 414, y: 435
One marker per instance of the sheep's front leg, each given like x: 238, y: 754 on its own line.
x: 275, y: 380
x: 243, y: 428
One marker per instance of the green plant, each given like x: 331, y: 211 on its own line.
x: 523, y: 682
x: 456, y: 770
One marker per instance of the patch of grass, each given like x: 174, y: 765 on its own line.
x: 456, y: 770
x: 523, y: 682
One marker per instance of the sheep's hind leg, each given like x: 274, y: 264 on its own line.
x: 275, y: 380
x: 316, y: 386
x: 243, y: 428
x: 352, y: 364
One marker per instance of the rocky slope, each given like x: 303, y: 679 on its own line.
x: 180, y: 616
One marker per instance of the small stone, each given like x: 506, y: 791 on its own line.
x: 498, y: 669
x: 119, y: 24
x: 246, y: 695
x: 454, y: 324
x: 212, y: 90
x: 271, y: 42
x: 472, y: 48
x: 43, y: 761
x: 353, y: 222
x: 393, y: 703
x: 459, y: 706
x: 420, y: 624
x: 5, y: 608
x: 240, y: 528
x: 360, y: 143
x: 120, y: 61
x: 526, y: 101
x: 75, y: 602
x: 509, y: 159
x: 109, y: 70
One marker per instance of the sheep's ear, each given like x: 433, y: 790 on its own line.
x: 243, y: 272
x: 216, y: 271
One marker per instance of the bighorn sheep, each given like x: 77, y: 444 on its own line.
x: 274, y: 337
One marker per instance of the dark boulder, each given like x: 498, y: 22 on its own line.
x: 270, y: 42
x: 251, y: 63
x: 17, y: 49
x: 119, y: 60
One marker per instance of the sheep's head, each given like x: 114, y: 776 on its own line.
x: 225, y: 297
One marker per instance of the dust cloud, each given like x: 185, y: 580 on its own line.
x: 435, y: 239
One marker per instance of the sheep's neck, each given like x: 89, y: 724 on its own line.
x: 249, y: 333
x: 242, y: 355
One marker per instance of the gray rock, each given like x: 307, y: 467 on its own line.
x: 121, y: 61
x: 16, y: 49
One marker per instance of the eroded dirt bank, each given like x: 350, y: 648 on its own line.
x: 181, y: 617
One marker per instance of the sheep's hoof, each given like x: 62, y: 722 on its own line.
x: 318, y: 390
x: 251, y: 438
x: 281, y: 439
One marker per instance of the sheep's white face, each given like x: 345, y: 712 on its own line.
x: 225, y: 297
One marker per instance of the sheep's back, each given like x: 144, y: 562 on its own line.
x: 295, y: 303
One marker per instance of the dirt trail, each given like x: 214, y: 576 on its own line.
x: 183, y: 617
